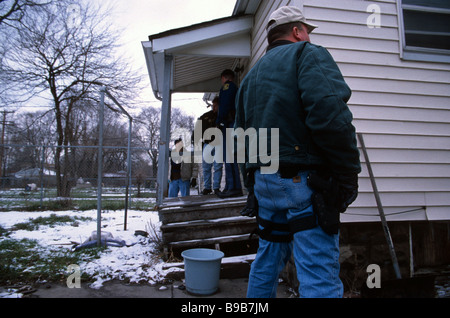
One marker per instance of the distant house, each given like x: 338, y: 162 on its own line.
x: 395, y: 56
x: 33, y: 175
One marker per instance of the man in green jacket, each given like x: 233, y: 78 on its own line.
x: 298, y: 88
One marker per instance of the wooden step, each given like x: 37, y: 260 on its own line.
x: 205, y: 211
x: 197, y: 200
x: 203, y: 229
x: 205, y: 221
x: 210, y: 241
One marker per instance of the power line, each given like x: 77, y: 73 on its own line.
x: 392, y: 213
x: 32, y: 106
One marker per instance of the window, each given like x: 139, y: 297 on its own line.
x: 425, y: 27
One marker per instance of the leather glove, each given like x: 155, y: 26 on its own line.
x: 251, y: 209
x: 339, y: 191
x: 347, y: 190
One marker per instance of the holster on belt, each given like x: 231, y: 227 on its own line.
x: 324, y: 200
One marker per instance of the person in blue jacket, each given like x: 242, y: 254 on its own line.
x: 225, y: 119
x: 297, y: 87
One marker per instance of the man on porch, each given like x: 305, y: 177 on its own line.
x: 211, y: 170
x: 225, y: 119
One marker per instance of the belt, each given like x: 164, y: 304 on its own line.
x: 298, y: 225
x: 291, y: 171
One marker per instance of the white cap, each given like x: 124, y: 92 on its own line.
x: 288, y: 14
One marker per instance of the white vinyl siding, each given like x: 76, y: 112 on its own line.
x: 401, y: 107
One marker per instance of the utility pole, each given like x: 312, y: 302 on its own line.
x: 2, y: 148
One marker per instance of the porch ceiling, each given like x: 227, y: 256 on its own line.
x: 200, y: 53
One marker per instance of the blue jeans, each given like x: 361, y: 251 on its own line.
x: 207, y: 167
x: 179, y: 185
x: 316, y: 254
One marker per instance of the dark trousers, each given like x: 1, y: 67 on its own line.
x: 232, y: 176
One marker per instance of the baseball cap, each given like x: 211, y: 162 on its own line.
x: 288, y: 14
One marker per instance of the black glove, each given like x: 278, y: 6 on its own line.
x: 347, y: 191
x: 327, y: 215
x: 332, y: 196
x: 251, y: 209
x: 324, y: 202
x: 193, y: 182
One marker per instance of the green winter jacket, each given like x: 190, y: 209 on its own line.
x: 298, y: 88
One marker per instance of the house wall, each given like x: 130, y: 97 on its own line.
x: 402, y: 108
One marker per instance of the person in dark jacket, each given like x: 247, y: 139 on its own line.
x: 297, y: 87
x: 225, y: 119
x: 207, y: 121
x: 181, y: 172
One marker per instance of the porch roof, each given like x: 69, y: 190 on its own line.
x: 199, y: 53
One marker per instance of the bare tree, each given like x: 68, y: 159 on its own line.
x: 147, y: 128
x: 12, y: 11
x: 181, y: 121
x: 30, y: 129
x: 65, y: 51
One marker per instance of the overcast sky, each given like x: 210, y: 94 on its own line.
x: 141, y: 18
x: 135, y: 20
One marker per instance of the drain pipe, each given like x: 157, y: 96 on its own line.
x: 411, y: 255
x: 380, y: 210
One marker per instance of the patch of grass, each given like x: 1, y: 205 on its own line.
x: 84, y: 205
x: 55, y: 205
x: 3, y: 231
x: 52, y: 220
x: 145, y: 195
x: 143, y: 206
x: 25, y: 261
x: 81, y: 199
x: 114, y: 205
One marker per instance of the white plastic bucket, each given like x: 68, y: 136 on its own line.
x: 202, y: 270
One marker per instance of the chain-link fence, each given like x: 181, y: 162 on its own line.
x: 32, y: 178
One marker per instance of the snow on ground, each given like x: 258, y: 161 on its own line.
x: 135, y: 262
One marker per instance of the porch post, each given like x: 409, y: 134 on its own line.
x: 163, y: 158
